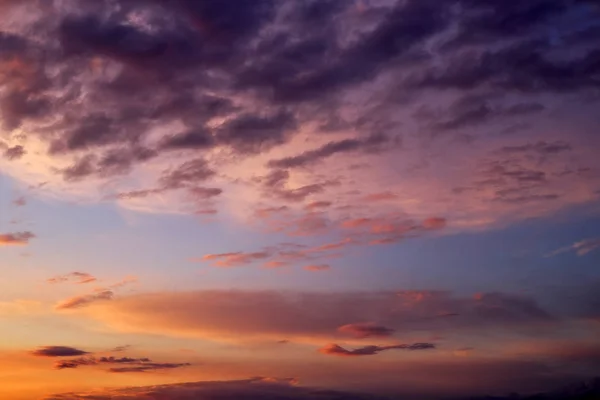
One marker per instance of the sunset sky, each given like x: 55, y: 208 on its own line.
x: 275, y: 199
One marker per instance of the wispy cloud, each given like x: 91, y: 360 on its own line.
x: 336, y: 350
x: 74, y: 277
x: 580, y: 248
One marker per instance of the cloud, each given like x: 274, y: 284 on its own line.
x: 317, y: 267
x: 132, y: 364
x: 383, y: 196
x: 14, y: 153
x: 309, y: 158
x: 58, y: 351
x: 318, y: 204
x: 366, y: 330
x: 84, y: 300
x: 186, y: 174
x: 581, y: 248
x: 235, y: 259
x: 184, y: 94
x: 20, y: 201
x: 74, y: 277
x: 336, y: 350
x: 255, y: 388
x: 234, y: 314
x: 16, y: 238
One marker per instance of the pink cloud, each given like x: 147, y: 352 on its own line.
x: 16, y: 238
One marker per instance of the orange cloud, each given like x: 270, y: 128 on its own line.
x: 16, y: 238
x: 84, y: 300
x: 74, y: 277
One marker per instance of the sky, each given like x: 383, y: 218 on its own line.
x: 298, y: 199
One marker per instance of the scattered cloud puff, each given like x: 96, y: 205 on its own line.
x: 58, y: 351
x: 336, y: 350
x: 254, y: 388
x: 16, y: 238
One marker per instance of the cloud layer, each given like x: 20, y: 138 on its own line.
x: 315, y: 107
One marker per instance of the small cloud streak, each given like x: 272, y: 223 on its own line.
x: 336, y: 350
x: 73, y: 277
x: 366, y: 330
x: 580, y: 248
x: 58, y: 351
x: 84, y: 300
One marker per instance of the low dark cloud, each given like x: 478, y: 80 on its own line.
x: 58, y: 351
x: 132, y: 364
x: 336, y: 350
x: 147, y: 366
x: 254, y: 388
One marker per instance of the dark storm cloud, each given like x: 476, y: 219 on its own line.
x: 406, y: 25
x: 523, y: 67
x: 207, y: 75
x: 58, y: 351
x: 474, y: 110
x: 485, y: 22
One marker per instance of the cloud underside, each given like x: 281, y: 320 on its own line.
x: 318, y: 318
x: 207, y: 106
